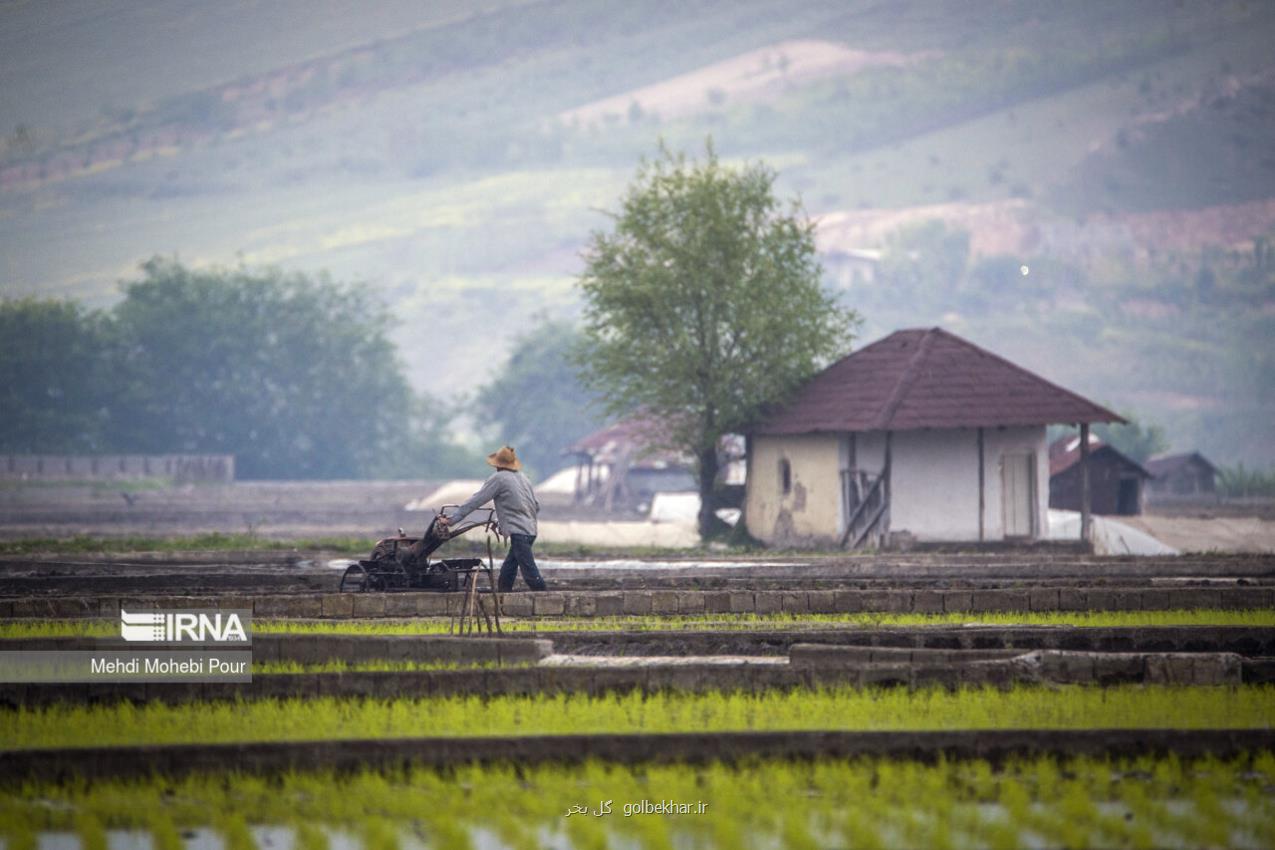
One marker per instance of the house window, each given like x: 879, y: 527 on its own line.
x: 785, y: 476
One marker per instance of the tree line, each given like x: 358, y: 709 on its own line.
x: 292, y: 374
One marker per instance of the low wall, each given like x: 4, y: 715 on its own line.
x: 1242, y: 640
x: 117, y: 467
x: 995, y: 746
x: 321, y: 648
x: 809, y: 669
x: 640, y: 602
x: 1053, y: 666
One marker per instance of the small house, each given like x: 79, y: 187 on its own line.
x: 1115, y: 481
x: 920, y: 432
x: 1188, y: 477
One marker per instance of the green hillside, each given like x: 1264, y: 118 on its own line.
x: 427, y: 153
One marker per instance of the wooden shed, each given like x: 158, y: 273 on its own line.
x: 1187, y: 477
x: 622, y: 466
x: 1116, y: 482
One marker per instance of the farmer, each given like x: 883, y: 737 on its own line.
x: 516, y: 509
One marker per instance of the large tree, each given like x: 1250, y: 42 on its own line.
x: 704, y: 304
x: 295, y: 376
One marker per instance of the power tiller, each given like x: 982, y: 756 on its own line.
x: 405, y: 563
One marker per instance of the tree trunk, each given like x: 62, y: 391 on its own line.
x: 708, y: 521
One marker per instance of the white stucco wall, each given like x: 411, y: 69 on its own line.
x: 810, y: 514
x: 934, y: 483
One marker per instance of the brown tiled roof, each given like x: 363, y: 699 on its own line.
x: 639, y: 438
x: 1162, y: 465
x: 1064, y: 453
x: 927, y: 378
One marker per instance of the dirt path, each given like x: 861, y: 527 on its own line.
x: 1196, y: 534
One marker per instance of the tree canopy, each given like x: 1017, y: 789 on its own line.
x: 295, y: 376
x: 1134, y: 440
x: 537, y: 403
x: 54, y: 377
x: 704, y: 304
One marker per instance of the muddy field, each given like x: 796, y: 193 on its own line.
x: 310, y: 574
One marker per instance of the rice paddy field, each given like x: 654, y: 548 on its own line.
x: 1259, y: 617
x: 355, y: 758
x: 871, y: 803
x: 1073, y: 707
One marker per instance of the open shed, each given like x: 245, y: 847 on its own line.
x: 1116, y: 482
x: 1185, y: 477
x: 623, y: 466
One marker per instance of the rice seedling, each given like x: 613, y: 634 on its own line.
x: 1253, y: 617
x: 234, y: 831
x: 867, y: 803
x: 842, y: 708
x: 163, y: 831
x: 308, y: 836
x: 1180, y: 617
x: 91, y: 832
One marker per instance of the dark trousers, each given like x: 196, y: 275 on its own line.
x: 520, y: 557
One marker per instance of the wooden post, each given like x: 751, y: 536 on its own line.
x: 889, y: 435
x: 1084, y: 481
x: 885, y: 526
x: 982, y: 504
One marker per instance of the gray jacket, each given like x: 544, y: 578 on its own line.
x: 516, y: 503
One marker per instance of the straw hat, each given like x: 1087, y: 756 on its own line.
x: 504, y: 458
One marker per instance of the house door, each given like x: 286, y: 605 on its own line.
x: 1018, y: 494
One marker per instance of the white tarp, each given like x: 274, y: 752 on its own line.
x: 1110, y: 536
x: 684, y: 508
x: 451, y: 493
x: 562, y: 483
x: 675, y: 507
x: 664, y: 535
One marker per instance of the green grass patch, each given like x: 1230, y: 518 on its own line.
x: 1026, y: 707
x: 1077, y: 802
x: 96, y: 486
x: 1254, y: 617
